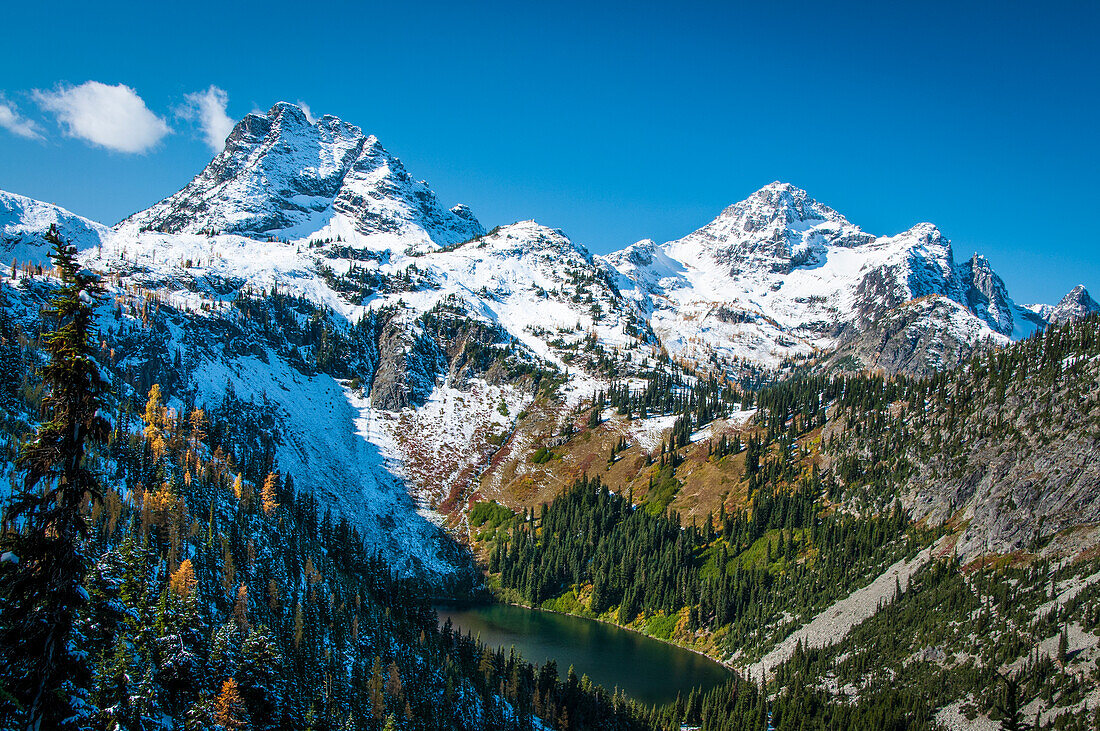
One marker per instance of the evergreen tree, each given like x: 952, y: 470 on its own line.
x: 1009, y: 705
x: 258, y: 675
x: 44, y: 565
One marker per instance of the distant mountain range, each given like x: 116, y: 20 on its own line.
x: 776, y: 276
x: 321, y: 212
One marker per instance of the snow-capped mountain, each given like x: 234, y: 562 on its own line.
x: 24, y: 221
x: 280, y: 175
x: 781, y: 275
x: 1077, y: 303
x: 395, y: 343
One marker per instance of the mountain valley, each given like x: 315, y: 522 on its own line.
x: 775, y: 441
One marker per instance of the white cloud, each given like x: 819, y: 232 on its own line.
x: 309, y: 114
x: 17, y: 124
x: 208, y: 109
x: 114, y: 117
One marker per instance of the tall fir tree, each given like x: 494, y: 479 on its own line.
x: 44, y: 566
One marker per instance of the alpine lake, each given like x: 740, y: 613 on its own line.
x: 648, y: 670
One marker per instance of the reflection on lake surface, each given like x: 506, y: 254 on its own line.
x: 647, y: 670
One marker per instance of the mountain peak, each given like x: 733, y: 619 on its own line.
x: 986, y: 294
x: 1075, y: 304
x: 925, y: 232
x: 781, y: 202
x: 281, y: 109
x: 1078, y: 293
x: 780, y: 189
x: 777, y: 228
x: 527, y: 236
x: 282, y: 175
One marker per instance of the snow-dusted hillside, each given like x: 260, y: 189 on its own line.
x: 23, y: 221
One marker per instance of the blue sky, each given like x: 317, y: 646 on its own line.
x: 613, y: 122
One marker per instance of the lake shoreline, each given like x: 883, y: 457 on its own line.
x: 650, y: 672
x: 713, y: 659
x: 496, y: 601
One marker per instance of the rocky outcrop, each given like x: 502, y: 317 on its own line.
x: 407, y: 364
x: 986, y: 294
x: 918, y: 337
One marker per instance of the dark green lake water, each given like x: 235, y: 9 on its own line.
x: 647, y: 670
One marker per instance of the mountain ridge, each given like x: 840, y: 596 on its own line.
x: 284, y: 176
x: 24, y: 221
x: 792, y: 276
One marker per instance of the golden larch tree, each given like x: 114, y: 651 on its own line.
x: 240, y: 607
x: 183, y: 580
x: 269, y: 494
x: 229, y: 711
x: 155, y: 417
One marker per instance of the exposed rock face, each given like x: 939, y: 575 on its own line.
x: 1076, y: 304
x: 1004, y: 450
x: 987, y: 295
x: 918, y: 337
x: 407, y: 365
x: 280, y: 175
x: 1014, y: 491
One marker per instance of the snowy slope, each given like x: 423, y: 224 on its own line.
x: 23, y: 221
x: 330, y: 449
x: 535, y: 283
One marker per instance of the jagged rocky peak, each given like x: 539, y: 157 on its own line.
x: 779, y: 226
x: 1076, y: 304
x: 925, y: 242
x: 930, y: 261
x: 987, y: 295
x: 463, y: 211
x: 282, y: 175
x: 780, y: 204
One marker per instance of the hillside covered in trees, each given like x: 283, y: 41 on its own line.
x: 836, y: 478
x: 161, y: 569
